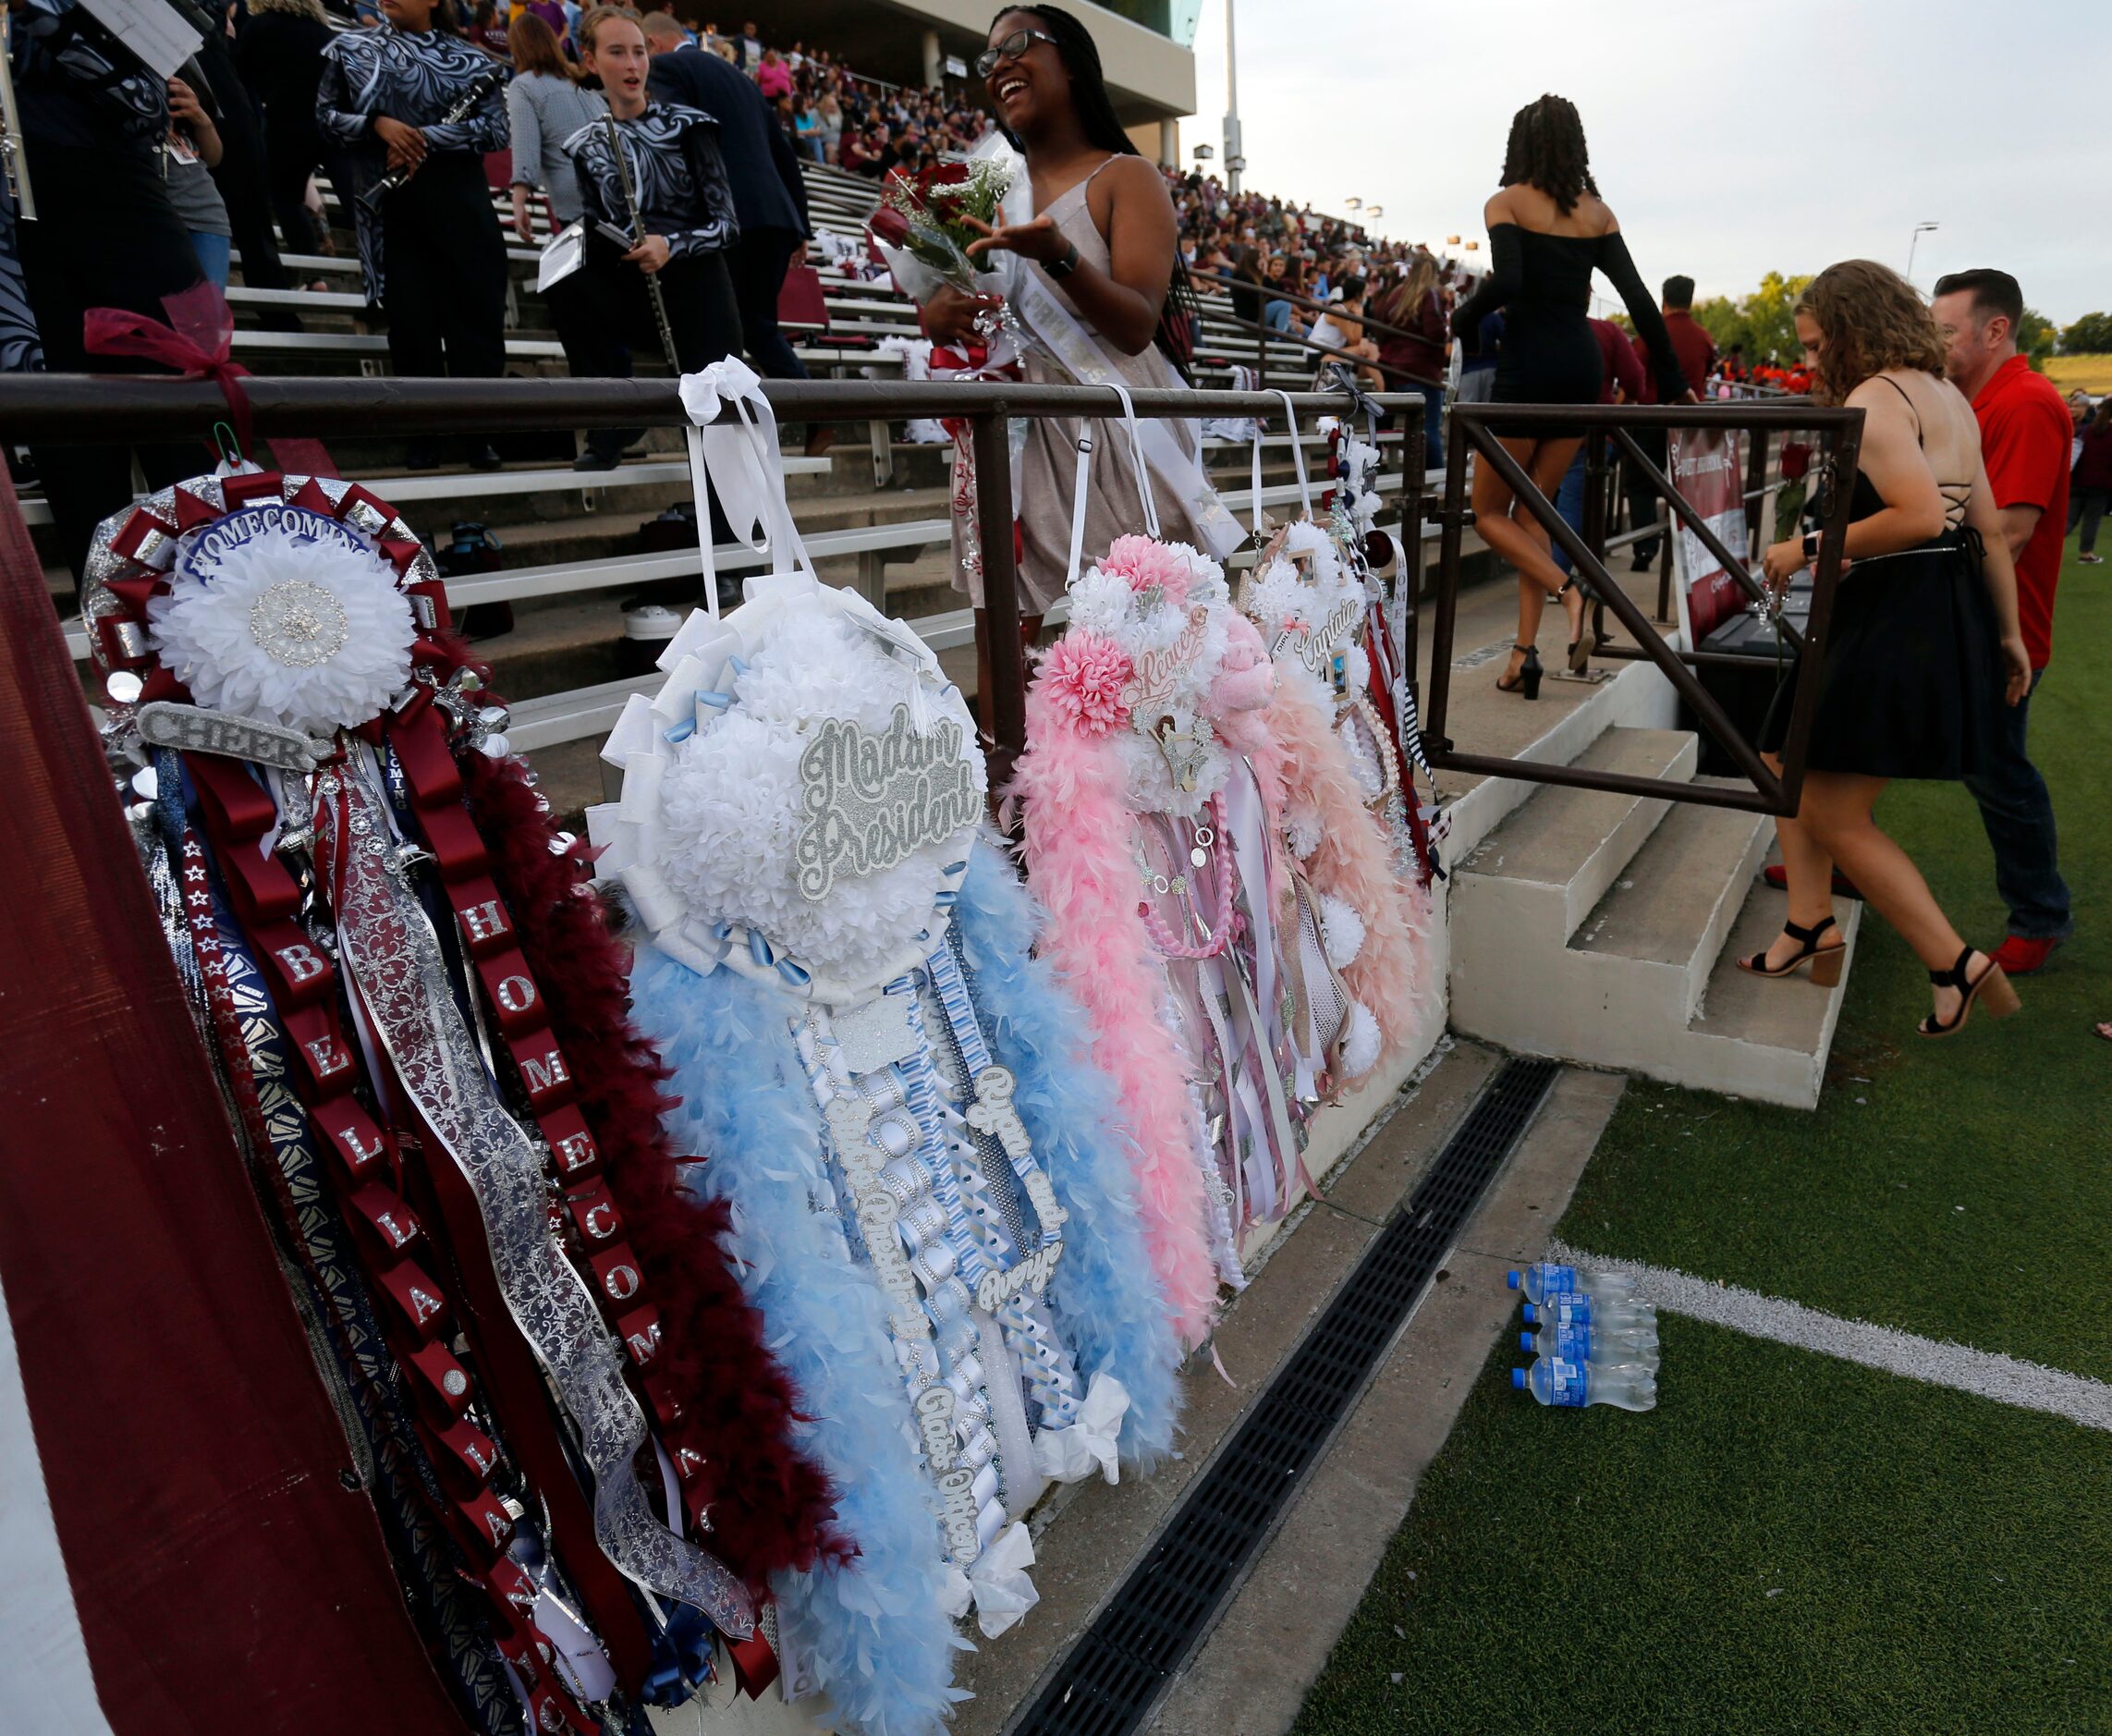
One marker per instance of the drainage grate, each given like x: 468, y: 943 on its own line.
x: 1114, y: 1676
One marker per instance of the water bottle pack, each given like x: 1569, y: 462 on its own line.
x: 1595, y: 1343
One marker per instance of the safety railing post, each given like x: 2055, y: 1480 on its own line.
x: 1848, y: 447
x: 1407, y: 572
x: 1005, y: 706
x: 1755, y: 492
x: 1594, y: 528
x: 1453, y: 522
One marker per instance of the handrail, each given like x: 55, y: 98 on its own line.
x: 1265, y: 332
x: 127, y: 408
x: 1269, y: 292
x: 1479, y: 426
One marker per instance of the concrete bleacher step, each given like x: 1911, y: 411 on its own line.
x: 1605, y: 929
x: 1537, y: 875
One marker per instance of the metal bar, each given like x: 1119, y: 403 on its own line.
x: 1580, y: 417
x: 1755, y: 484
x: 1683, y: 681
x: 1434, y: 738
x: 1707, y: 659
x: 1408, y: 573
x: 1006, y: 705
x: 1759, y: 800
x: 1691, y: 520
x: 1595, y: 526
x: 1847, y: 448
x: 63, y: 407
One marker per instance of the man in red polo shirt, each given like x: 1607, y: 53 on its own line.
x: 2025, y: 435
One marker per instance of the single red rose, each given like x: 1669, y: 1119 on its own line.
x: 889, y: 225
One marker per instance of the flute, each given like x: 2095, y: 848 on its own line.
x: 468, y: 103
x: 15, y: 163
x: 638, y: 235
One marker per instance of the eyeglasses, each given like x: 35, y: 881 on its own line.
x: 1011, y: 48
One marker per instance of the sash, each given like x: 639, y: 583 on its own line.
x: 1074, y: 350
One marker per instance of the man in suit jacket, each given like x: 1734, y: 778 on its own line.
x: 769, y: 196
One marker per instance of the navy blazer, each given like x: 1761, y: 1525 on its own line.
x: 767, y: 191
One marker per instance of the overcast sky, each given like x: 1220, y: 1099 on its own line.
x: 1731, y: 141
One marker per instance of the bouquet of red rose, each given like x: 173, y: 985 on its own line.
x: 931, y: 218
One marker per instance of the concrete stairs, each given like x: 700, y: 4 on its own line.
x: 1605, y: 929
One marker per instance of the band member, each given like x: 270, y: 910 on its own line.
x: 684, y: 208
x: 433, y: 255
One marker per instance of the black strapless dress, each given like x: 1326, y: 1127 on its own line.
x: 1912, y: 683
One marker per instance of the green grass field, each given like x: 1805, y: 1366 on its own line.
x: 1790, y: 1543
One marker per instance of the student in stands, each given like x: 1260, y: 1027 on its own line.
x: 433, y: 253
x: 1102, y: 244
x: 1414, y: 304
x: 1924, y: 655
x: 544, y: 105
x: 769, y: 194
x: 686, y: 207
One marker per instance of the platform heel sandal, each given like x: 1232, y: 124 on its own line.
x: 1825, y: 960
x: 1580, y: 647
x: 1529, y: 673
x: 1990, y: 986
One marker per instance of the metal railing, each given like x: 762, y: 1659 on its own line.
x: 124, y: 408
x: 1479, y: 428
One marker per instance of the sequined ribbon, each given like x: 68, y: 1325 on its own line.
x: 393, y: 957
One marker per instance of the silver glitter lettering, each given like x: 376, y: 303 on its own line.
x: 871, y: 800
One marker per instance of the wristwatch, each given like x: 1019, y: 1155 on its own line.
x: 1061, y: 268
x: 1812, y: 547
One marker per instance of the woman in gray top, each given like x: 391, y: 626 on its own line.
x: 544, y: 107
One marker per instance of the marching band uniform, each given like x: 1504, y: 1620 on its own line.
x: 433, y: 255
x: 672, y: 153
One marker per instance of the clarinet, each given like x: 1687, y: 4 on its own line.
x: 638, y: 235
x: 463, y: 107
x: 16, y: 166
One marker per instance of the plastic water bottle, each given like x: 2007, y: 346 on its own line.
x: 1557, y: 1381
x: 1581, y: 1344
x: 1581, y: 1311
x: 1545, y: 1279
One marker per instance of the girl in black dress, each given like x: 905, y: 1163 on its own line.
x: 1923, y: 645
x: 1548, y: 230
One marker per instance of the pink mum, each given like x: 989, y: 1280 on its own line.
x: 1083, y: 675
x: 1147, y: 566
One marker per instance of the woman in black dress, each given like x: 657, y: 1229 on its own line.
x: 1923, y: 645
x: 1548, y: 230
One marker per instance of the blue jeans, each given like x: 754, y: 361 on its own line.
x: 1569, y: 503
x: 215, y: 253
x: 1433, y: 426
x: 1276, y: 315
x: 2018, y: 815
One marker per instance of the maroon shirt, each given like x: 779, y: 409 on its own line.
x: 1621, y: 366
x: 1693, y: 346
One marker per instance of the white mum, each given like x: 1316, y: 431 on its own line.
x: 307, y: 635
x: 730, y: 803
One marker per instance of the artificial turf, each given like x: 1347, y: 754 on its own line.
x: 1963, y: 1189
x: 1790, y: 1543
x: 1787, y: 1542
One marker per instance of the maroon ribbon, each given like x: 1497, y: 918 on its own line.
x: 198, y: 342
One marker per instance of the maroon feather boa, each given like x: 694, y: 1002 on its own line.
x: 771, y: 1508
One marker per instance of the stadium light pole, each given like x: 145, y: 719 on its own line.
x: 1235, y: 158
x: 1913, y: 241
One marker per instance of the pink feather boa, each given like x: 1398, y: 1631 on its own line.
x: 1353, y: 862
x: 1077, y: 831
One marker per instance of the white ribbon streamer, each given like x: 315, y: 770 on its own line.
x: 732, y: 441
x: 1065, y: 1455
x: 998, y: 1587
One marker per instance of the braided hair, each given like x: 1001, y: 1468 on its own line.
x: 1546, y: 148
x: 1181, y: 316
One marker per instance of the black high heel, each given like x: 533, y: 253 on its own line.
x: 1991, y: 985
x: 1580, y: 647
x: 1529, y: 674
x: 1825, y: 960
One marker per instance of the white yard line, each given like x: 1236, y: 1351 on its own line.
x: 2005, y: 1379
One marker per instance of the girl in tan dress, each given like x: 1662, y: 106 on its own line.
x: 1104, y: 240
